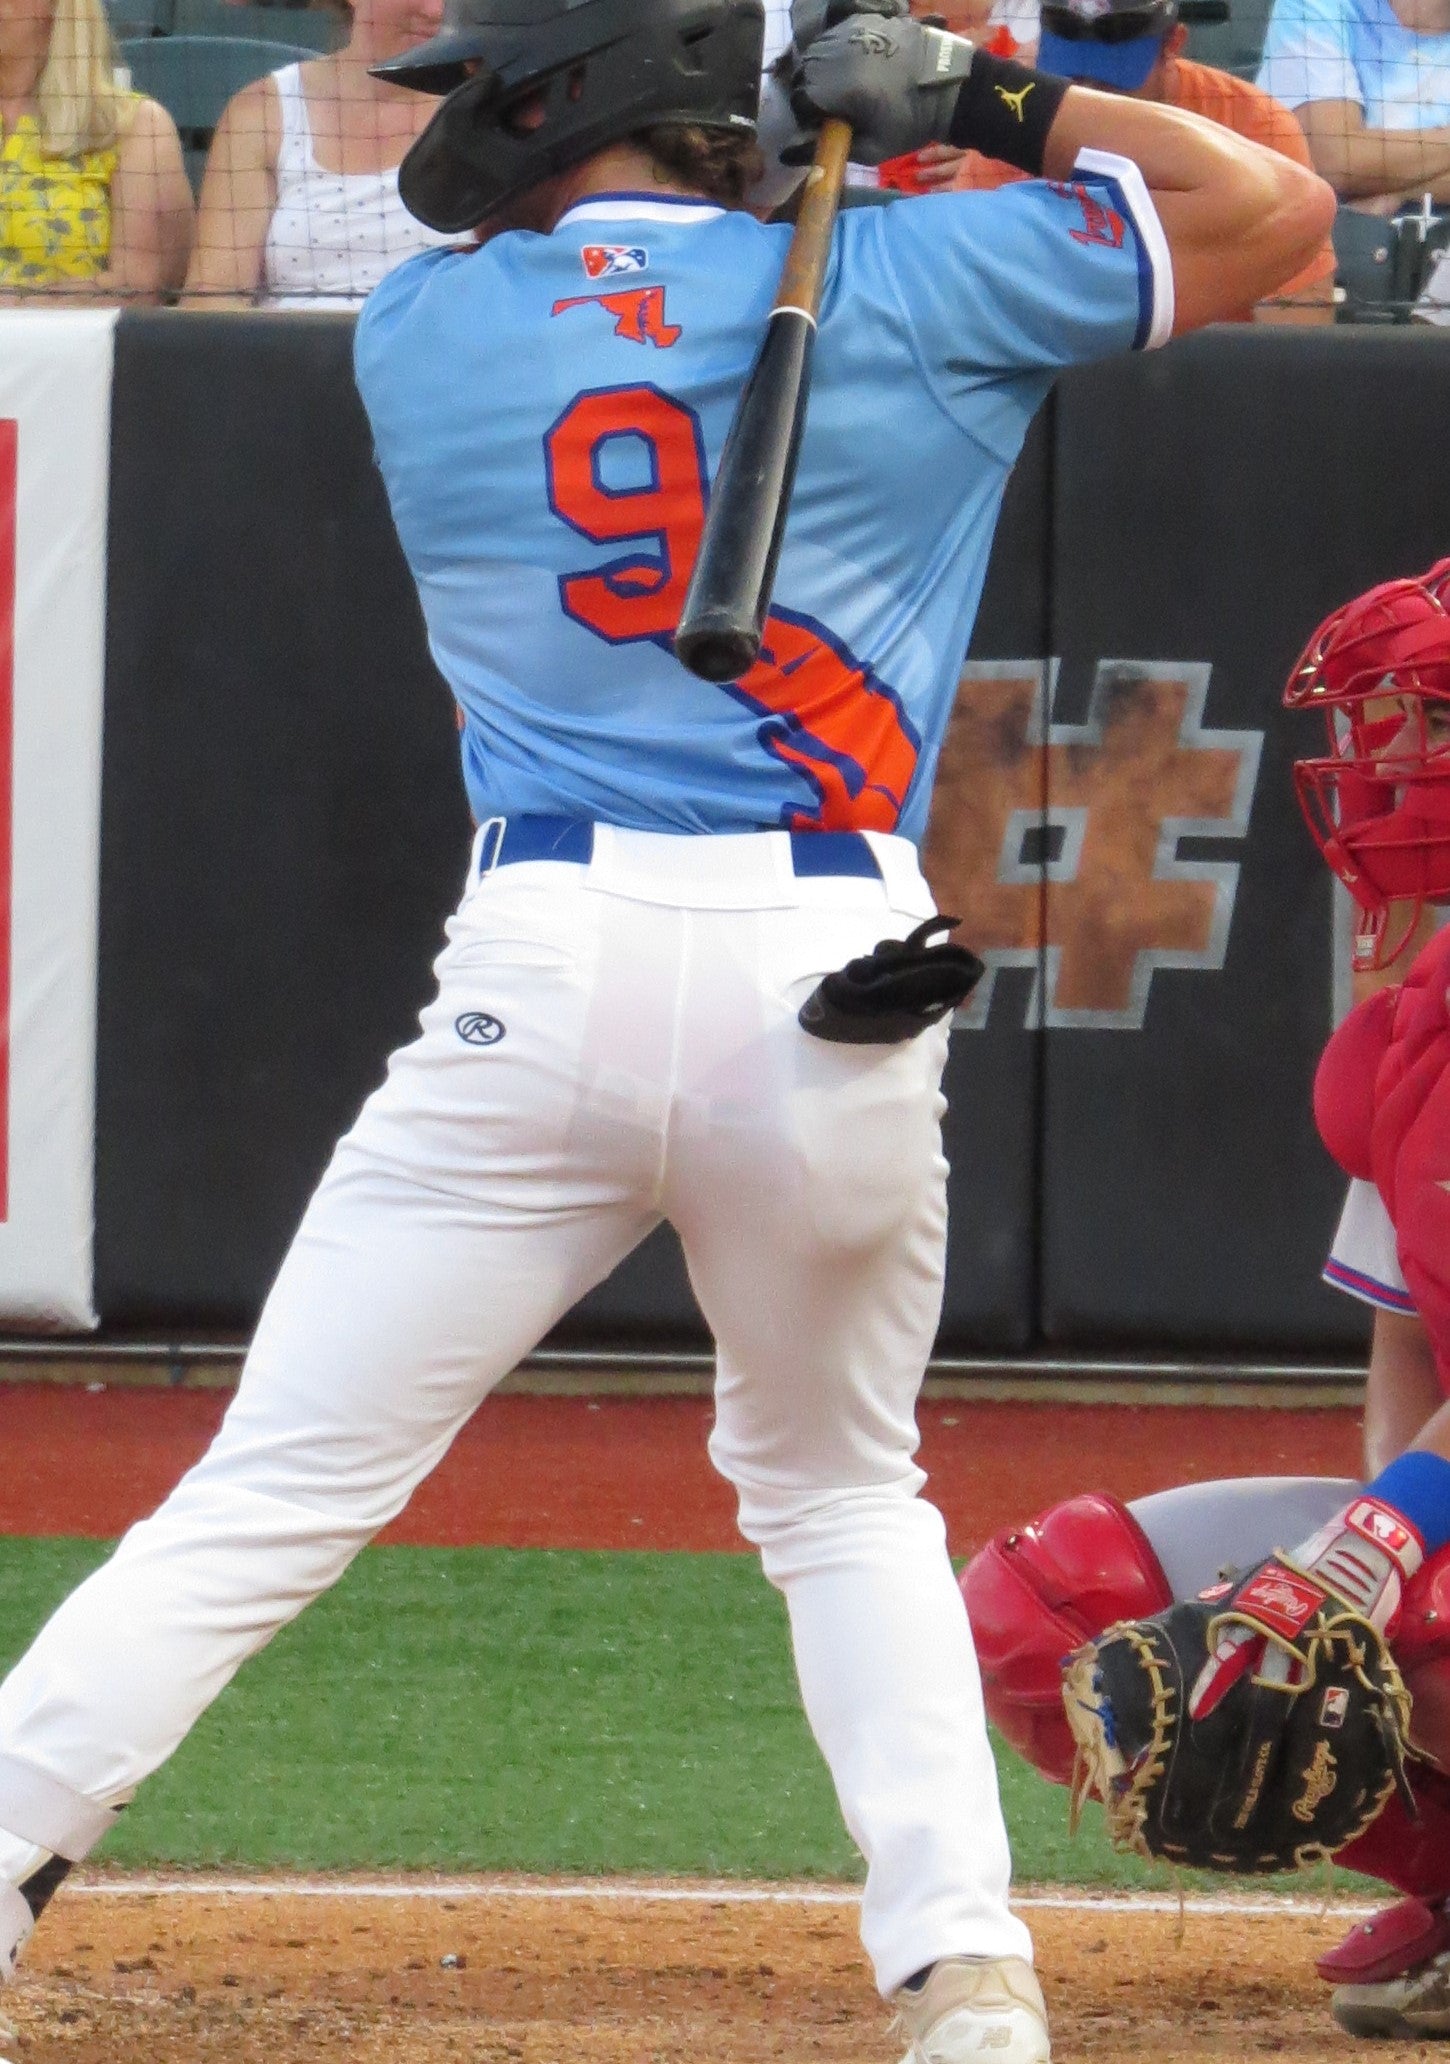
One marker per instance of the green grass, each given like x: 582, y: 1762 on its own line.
x: 495, y: 1709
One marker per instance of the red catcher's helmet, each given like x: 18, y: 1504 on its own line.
x: 1378, y: 805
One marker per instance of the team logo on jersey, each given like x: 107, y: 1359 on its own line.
x: 608, y: 261
x: 1100, y: 223
x: 639, y: 314
x: 1060, y: 842
x: 477, y: 1028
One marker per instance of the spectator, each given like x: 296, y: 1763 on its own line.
x: 1370, y: 83
x: 94, y: 201
x: 1136, y: 47
x: 299, y: 206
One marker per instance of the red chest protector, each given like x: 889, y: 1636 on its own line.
x: 1382, y: 1104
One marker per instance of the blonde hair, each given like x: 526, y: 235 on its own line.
x: 79, y: 104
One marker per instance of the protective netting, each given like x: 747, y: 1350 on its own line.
x: 242, y: 155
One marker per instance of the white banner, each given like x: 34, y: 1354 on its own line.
x: 55, y: 422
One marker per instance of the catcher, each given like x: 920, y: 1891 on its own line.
x: 1257, y: 1672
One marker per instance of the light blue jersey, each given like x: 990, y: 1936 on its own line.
x: 1359, y: 51
x: 548, y: 412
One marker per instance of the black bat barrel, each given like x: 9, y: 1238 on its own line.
x: 723, y: 618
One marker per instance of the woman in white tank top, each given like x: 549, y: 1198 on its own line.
x: 299, y: 206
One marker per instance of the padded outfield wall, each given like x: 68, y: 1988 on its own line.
x: 283, y: 830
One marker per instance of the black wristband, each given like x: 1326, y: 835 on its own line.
x: 1005, y: 110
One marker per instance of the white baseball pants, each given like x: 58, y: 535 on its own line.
x: 612, y: 1043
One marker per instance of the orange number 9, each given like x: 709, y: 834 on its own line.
x: 641, y: 594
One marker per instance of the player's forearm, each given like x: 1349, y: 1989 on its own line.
x: 1240, y: 220
x: 1403, y: 1402
x: 1185, y: 155
x: 1361, y: 163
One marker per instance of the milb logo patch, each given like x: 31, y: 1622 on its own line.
x: 1059, y: 843
x: 608, y: 261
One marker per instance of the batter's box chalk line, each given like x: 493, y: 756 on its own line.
x: 640, y: 1892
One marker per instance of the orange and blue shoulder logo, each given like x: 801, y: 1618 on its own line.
x: 1100, y: 223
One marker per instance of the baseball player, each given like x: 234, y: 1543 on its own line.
x: 1379, y: 806
x: 665, y: 872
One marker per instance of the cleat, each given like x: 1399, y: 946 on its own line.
x: 21, y: 1907
x: 1412, y: 2007
x: 1391, y: 1944
x: 975, y: 2010
x: 1391, y: 1974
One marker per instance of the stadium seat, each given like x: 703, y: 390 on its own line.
x: 128, y: 18
x: 1374, y: 262
x: 318, y: 29
x: 195, y: 76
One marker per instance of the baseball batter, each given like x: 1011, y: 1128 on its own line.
x: 665, y: 870
x: 1379, y: 804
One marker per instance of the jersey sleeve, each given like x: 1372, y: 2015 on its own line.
x: 1309, y: 54
x: 1037, y: 276
x: 1364, y: 1260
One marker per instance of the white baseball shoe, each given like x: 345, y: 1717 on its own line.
x: 1412, y: 2007
x: 975, y: 2010
x: 21, y: 1907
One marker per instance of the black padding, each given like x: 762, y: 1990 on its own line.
x: 1212, y: 506
x: 283, y: 817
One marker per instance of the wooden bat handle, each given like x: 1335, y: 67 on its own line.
x: 723, y: 619
x: 804, y: 270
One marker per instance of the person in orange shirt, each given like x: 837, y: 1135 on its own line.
x: 1136, y: 46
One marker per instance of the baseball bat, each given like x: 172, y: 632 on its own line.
x: 723, y: 618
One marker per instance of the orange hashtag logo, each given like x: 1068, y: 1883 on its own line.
x: 1058, y: 843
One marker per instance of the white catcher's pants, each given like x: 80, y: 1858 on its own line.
x: 650, y: 1066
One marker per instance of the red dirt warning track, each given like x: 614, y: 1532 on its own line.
x: 612, y: 1472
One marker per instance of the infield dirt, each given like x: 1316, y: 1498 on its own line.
x: 155, y: 1978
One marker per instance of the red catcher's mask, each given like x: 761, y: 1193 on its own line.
x: 1378, y: 805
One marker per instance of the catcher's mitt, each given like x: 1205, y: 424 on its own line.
x: 1294, y: 1759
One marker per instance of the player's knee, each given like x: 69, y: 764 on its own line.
x: 803, y: 1529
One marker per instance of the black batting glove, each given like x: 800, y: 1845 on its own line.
x: 894, y: 80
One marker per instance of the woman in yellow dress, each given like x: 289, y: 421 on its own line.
x: 95, y: 205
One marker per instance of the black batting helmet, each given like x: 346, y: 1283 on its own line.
x: 601, y: 70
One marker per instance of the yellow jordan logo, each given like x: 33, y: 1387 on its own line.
x: 1015, y: 100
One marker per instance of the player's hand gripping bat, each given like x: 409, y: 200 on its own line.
x: 729, y: 593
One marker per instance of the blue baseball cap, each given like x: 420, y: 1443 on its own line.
x: 1109, y: 42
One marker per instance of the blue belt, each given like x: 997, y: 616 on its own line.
x: 536, y: 836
